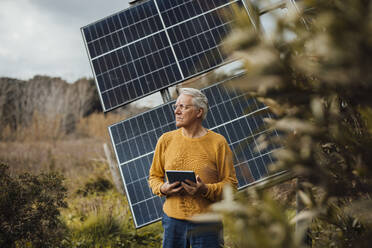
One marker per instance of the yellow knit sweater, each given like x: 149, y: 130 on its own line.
x: 208, y: 156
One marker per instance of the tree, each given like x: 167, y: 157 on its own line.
x: 317, y: 79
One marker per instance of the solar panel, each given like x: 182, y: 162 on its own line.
x: 237, y: 116
x: 155, y: 44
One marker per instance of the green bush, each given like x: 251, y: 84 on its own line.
x: 29, y: 209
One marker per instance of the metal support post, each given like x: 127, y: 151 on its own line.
x: 165, y: 95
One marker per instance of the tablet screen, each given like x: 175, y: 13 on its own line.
x: 180, y: 176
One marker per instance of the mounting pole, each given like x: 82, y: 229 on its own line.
x: 113, y: 169
x: 251, y: 14
x: 165, y: 94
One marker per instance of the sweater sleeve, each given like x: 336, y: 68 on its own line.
x: 226, y: 173
x: 157, y: 173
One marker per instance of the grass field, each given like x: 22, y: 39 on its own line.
x: 97, y: 214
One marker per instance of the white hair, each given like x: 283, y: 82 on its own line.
x: 198, y: 99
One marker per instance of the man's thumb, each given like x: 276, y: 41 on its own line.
x: 198, y: 179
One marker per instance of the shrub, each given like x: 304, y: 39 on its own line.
x: 29, y: 209
x: 317, y: 79
x: 98, y: 185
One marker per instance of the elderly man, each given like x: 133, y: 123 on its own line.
x: 191, y: 147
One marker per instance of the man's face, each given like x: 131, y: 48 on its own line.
x: 186, y: 113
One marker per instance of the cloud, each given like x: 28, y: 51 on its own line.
x: 43, y: 36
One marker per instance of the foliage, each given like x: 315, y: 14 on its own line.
x: 104, y: 220
x: 256, y: 219
x: 317, y: 80
x: 100, y: 184
x: 30, y: 210
x: 41, y: 134
x: 106, y: 230
x: 97, y: 216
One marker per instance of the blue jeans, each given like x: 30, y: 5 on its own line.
x: 183, y: 233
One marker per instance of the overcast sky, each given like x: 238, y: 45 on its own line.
x: 42, y: 37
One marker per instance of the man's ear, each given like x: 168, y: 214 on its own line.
x: 200, y: 113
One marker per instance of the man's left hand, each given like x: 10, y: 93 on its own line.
x: 195, y: 188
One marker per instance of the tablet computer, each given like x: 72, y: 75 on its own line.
x: 180, y: 176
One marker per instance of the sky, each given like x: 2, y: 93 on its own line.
x: 43, y: 37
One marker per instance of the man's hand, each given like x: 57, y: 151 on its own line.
x: 170, y: 189
x: 195, y: 188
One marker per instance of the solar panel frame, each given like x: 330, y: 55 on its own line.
x: 124, y: 49
x: 226, y: 116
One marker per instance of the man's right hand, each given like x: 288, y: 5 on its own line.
x: 170, y: 189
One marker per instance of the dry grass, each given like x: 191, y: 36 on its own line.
x: 42, y: 147
x: 80, y: 208
x: 96, y: 125
x: 94, y: 218
x: 75, y: 159
x: 40, y: 128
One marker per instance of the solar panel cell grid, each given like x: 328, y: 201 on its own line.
x: 154, y: 45
x: 135, y: 140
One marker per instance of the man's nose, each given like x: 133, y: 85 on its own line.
x: 177, y: 111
